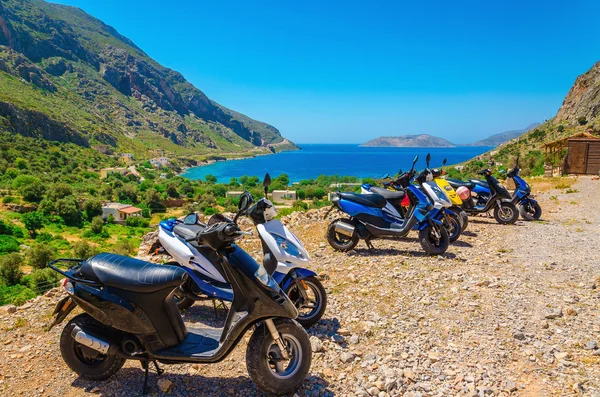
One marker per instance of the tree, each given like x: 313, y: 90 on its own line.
x: 46, y: 207
x: 233, y: 182
x: 92, y: 208
x: 107, y: 192
x: 128, y: 193
x: 33, y: 221
x: 39, y: 255
x: 282, y: 179
x: 187, y: 189
x: 68, y: 209
x: 33, y: 192
x: 97, y: 225
x: 210, y: 178
x: 152, y: 197
x: 83, y: 250
x: 24, y: 180
x: 59, y: 191
x: 171, y: 190
x: 21, y: 163
x: 10, y: 269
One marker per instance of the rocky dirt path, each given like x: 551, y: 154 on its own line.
x: 509, y: 310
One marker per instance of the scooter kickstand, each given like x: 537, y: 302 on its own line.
x: 159, y: 370
x: 369, y: 245
x: 145, y: 389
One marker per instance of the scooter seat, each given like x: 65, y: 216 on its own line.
x: 388, y: 194
x: 131, y: 274
x: 187, y: 232
x: 370, y: 200
x: 455, y: 183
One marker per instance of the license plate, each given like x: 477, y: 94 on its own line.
x: 62, y: 310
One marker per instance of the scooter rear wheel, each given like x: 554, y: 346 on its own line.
x: 266, y: 366
x: 339, y: 241
x: 432, y: 244
x: 530, y: 212
x: 84, y: 361
x: 463, y: 217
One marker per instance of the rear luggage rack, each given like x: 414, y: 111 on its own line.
x: 69, y: 275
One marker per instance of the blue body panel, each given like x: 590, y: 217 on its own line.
x: 351, y: 208
x: 481, y: 189
x: 168, y: 224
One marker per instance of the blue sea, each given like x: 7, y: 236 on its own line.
x: 313, y: 160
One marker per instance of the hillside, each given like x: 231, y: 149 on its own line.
x: 68, y: 77
x: 580, y: 112
x: 422, y: 140
x: 500, y: 138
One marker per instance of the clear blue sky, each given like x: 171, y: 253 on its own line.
x: 348, y: 71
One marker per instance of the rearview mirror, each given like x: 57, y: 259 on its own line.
x: 386, y: 176
x: 245, y: 201
x: 428, y: 159
x: 415, y: 159
x: 444, y: 162
x: 267, y: 180
x: 191, y: 219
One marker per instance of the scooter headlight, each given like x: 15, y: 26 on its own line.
x: 265, y: 279
x: 287, y: 246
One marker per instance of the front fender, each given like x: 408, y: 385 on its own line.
x: 285, y: 280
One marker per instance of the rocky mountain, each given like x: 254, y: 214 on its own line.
x: 66, y: 76
x: 423, y: 140
x: 500, y: 138
x: 582, y: 103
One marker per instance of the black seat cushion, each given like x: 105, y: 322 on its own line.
x: 187, y: 232
x: 370, y: 200
x: 388, y: 194
x: 455, y: 183
x: 131, y: 274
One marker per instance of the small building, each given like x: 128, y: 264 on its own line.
x: 234, y: 193
x: 583, y: 155
x: 126, y: 158
x: 120, y: 212
x: 282, y: 195
x: 105, y: 172
x: 158, y: 162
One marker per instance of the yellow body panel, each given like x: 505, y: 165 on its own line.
x: 449, y: 190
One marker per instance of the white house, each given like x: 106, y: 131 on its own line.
x: 281, y: 195
x: 158, y: 162
x: 120, y: 212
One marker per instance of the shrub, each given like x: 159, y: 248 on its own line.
x: 33, y: 192
x: 210, y: 178
x: 15, y: 295
x: 560, y: 128
x: 33, y: 221
x: 46, y: 207
x: 92, y: 208
x: 582, y: 120
x: 6, y: 228
x: 123, y: 247
x: 68, y: 210
x: 10, y: 269
x: 210, y: 211
x: 97, y: 225
x: 83, y: 250
x: 8, y: 244
x: 39, y: 255
x: 171, y: 190
x: 110, y: 219
x: 24, y: 180
x: 8, y: 199
x: 59, y: 191
x: 44, y: 238
x: 136, y: 221
x: 300, y: 205
x: 127, y: 194
x: 42, y: 280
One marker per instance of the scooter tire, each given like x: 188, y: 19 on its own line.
x: 73, y: 355
x: 453, y: 229
x: 260, y: 353
x: 464, y: 217
x: 431, y: 247
x: 531, y: 216
x: 321, y: 304
x: 514, y: 213
x: 334, y: 240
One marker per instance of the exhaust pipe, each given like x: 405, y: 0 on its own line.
x: 90, y: 341
x: 344, y: 228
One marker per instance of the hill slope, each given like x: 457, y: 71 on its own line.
x: 68, y: 77
x: 422, y: 140
x: 500, y: 138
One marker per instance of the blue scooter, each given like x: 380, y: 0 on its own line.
x: 528, y: 207
x: 370, y: 218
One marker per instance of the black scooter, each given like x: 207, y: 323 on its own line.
x: 130, y: 314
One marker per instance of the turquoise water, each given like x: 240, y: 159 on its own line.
x: 328, y: 159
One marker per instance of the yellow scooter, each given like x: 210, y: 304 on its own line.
x: 454, y: 198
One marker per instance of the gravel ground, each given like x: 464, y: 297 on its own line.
x: 508, y: 310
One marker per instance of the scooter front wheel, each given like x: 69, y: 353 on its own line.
x: 434, y: 240
x: 506, y: 213
x: 86, y: 362
x: 311, y: 308
x: 268, y: 368
x: 339, y: 241
x: 530, y: 212
x: 453, y: 227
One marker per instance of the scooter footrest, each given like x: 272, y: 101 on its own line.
x: 198, y: 342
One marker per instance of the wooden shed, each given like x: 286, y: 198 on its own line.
x: 583, y: 155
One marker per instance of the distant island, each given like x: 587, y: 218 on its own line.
x: 426, y: 140
x: 423, y: 140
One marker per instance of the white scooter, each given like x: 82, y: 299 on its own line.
x: 284, y: 258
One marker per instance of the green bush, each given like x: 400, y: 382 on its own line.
x: 33, y: 192
x: 123, y: 247
x: 210, y: 211
x: 6, y: 228
x: 39, y: 255
x: 582, y: 120
x: 33, y: 221
x: 68, y: 209
x: 44, y: 238
x: 83, y: 250
x: 42, y: 280
x: 136, y: 221
x: 10, y: 269
x: 92, y: 209
x: 8, y: 244
x: 8, y: 199
x: 97, y: 225
x: 15, y: 295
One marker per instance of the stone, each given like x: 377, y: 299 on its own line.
x: 316, y: 344
x: 347, y: 357
x: 164, y: 385
x: 510, y: 386
x: 591, y: 345
x: 354, y: 339
x: 553, y: 313
x: 10, y: 309
x: 518, y: 335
